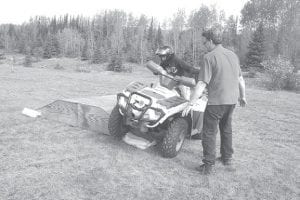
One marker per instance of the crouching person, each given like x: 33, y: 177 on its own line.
x: 177, y: 67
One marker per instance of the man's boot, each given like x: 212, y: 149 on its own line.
x: 197, y: 136
x: 226, y: 162
x: 205, y: 169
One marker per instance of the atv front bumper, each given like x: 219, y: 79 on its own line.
x: 135, y: 113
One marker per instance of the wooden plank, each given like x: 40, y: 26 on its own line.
x: 87, y: 113
x: 106, y: 103
x: 62, y: 111
x: 93, y: 118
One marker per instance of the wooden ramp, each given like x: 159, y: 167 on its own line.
x: 87, y: 113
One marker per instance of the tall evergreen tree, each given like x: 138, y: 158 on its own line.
x: 141, y: 27
x: 230, y: 33
x: 51, y: 47
x: 53, y: 25
x: 256, y: 49
x: 28, y: 60
x: 159, y: 39
x: 98, y: 53
x: 2, y: 46
x: 150, y: 32
x: 150, y: 41
x: 84, y: 52
x: 105, y: 26
x: 47, y: 49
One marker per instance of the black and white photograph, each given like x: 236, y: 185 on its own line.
x: 150, y: 100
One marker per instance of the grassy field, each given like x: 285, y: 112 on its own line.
x: 41, y: 159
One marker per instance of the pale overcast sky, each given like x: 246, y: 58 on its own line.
x: 19, y: 11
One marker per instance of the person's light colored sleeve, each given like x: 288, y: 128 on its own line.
x: 205, y: 72
x: 198, y: 91
x: 240, y: 72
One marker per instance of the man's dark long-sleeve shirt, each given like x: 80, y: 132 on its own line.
x: 177, y: 67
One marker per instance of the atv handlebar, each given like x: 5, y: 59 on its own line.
x: 189, y: 82
x: 157, y: 69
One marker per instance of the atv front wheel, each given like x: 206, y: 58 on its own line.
x: 116, y: 126
x: 173, y: 140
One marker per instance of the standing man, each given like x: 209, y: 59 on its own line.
x: 221, y: 75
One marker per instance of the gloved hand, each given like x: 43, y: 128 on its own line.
x: 177, y: 78
x: 195, y: 69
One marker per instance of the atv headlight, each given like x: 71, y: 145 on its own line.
x: 139, y: 102
x: 122, y: 101
x: 136, y: 113
x: 152, y: 115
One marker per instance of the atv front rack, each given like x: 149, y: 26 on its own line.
x: 130, y: 107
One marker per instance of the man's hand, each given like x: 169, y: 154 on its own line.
x: 194, y: 96
x: 242, y: 89
x: 187, y: 110
x: 243, y: 102
x: 164, y: 73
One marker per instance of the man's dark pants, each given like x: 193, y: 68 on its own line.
x: 217, y: 116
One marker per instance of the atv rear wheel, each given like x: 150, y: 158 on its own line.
x: 174, y: 139
x: 116, y: 126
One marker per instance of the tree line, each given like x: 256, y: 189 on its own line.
x: 266, y: 28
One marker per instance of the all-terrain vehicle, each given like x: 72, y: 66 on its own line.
x: 154, y: 112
